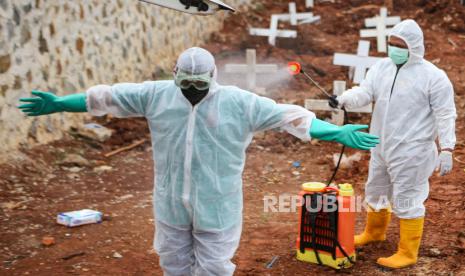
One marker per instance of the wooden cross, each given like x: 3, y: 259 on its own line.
x: 273, y: 31
x: 361, y: 61
x: 381, y: 32
x: 337, y: 115
x: 296, y: 18
x: 251, y: 68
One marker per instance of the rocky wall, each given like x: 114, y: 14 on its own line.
x: 67, y: 46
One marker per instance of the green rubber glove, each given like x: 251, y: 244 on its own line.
x: 48, y: 103
x: 348, y: 135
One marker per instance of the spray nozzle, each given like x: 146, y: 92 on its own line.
x: 294, y: 68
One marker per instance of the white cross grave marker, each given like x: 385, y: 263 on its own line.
x: 293, y: 13
x: 309, y: 3
x: 361, y: 61
x: 381, y: 32
x: 337, y: 116
x: 297, y: 18
x: 383, y: 12
x: 273, y: 31
x: 251, y: 68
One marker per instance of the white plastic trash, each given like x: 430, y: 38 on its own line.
x: 81, y: 217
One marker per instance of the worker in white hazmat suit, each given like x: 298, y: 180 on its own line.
x: 200, y: 132
x: 414, y: 103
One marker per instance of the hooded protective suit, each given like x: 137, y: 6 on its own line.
x: 413, y: 105
x: 199, y: 153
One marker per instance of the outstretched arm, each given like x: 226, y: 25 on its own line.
x: 265, y: 114
x: 121, y: 100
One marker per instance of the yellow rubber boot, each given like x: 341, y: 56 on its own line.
x: 376, y: 226
x: 411, y: 231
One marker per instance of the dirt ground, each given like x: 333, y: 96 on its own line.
x: 35, y: 185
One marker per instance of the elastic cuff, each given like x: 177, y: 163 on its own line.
x: 87, y: 101
x: 450, y: 147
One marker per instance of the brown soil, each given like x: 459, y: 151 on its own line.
x: 34, y: 187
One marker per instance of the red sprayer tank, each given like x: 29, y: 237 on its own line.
x: 327, y: 223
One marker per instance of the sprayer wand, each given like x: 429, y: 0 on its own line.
x: 315, y: 83
x: 295, y: 68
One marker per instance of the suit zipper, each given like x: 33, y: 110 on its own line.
x: 187, y: 185
x: 390, y: 95
x: 394, y: 82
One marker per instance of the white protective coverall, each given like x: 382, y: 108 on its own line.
x: 199, y: 155
x: 413, y: 105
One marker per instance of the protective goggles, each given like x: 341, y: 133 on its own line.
x: 185, y: 80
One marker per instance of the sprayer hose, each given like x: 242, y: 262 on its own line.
x: 336, y: 169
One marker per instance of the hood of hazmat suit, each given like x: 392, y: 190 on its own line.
x: 194, y: 73
x: 199, y: 151
x: 196, y: 61
x: 414, y: 104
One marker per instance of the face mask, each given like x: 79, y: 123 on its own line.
x: 398, y: 55
x: 194, y: 95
